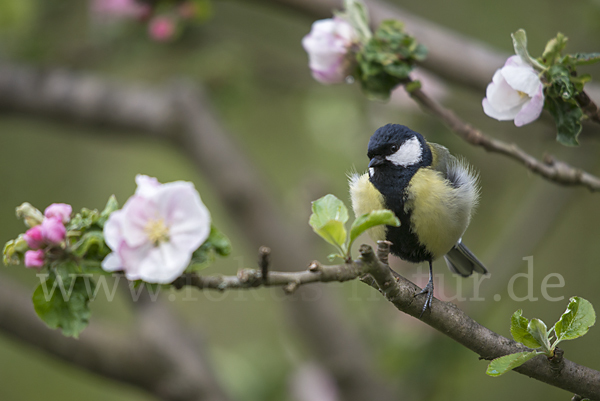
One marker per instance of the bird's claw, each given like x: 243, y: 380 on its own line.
x: 428, y: 289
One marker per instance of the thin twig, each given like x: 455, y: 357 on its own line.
x: 550, y: 168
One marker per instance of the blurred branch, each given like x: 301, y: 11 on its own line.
x: 452, y: 55
x: 155, y: 356
x: 445, y: 317
x: 550, y: 168
x: 182, y: 114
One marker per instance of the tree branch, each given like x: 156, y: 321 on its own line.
x: 155, y: 356
x: 550, y: 168
x: 452, y: 55
x: 445, y: 317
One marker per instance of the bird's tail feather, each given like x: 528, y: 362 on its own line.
x: 460, y: 260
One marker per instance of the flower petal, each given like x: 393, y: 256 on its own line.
x: 112, y: 230
x: 112, y: 262
x: 522, y: 79
x: 502, y: 97
x: 531, y: 110
x: 503, y: 115
x: 137, y: 212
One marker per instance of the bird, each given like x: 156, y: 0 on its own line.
x: 430, y: 191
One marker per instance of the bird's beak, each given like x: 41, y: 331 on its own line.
x: 376, y: 161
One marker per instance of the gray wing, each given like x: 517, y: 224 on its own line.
x: 460, y: 259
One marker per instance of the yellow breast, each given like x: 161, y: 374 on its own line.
x: 366, y: 198
x: 439, y: 215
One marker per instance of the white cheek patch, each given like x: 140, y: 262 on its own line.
x: 409, y: 153
x: 371, y: 171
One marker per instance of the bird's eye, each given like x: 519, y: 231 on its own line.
x: 394, y: 148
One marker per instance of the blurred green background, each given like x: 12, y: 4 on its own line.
x: 304, y: 139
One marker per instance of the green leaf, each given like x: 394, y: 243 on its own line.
x: 83, y: 220
x: 576, y: 320
x: 61, y: 301
x: 539, y: 332
x: 357, y: 15
x: 518, y: 329
x: 553, y: 49
x: 372, y: 219
x: 91, y: 246
x: 520, y: 44
x: 111, y: 206
x: 217, y: 243
x: 501, y: 365
x: 328, y: 218
x: 14, y: 250
x: 567, y: 117
x: 386, y: 60
x: 581, y: 58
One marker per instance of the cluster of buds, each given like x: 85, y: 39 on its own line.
x: 164, y: 17
x: 46, y: 231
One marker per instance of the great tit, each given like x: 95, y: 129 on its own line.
x: 432, y: 193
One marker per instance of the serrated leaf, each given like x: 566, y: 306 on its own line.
x: 328, y: 218
x: 91, y: 245
x: 111, y: 206
x: 356, y: 13
x: 61, y: 301
x: 582, y: 58
x: 501, y: 365
x: 518, y: 329
x: 520, y: 45
x: 217, y: 243
x: 372, y: 219
x: 539, y: 332
x: 83, y: 220
x: 553, y: 49
x: 576, y: 320
x: 567, y: 117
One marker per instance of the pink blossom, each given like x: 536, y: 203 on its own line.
x: 61, y: 211
x: 119, y: 8
x: 53, y: 230
x: 161, y: 28
x: 34, y: 237
x: 515, y: 93
x: 328, y: 45
x: 34, y: 258
x: 154, y: 235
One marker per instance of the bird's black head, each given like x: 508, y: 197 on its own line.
x: 397, y: 146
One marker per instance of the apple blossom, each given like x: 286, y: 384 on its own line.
x: 53, y: 230
x: 161, y: 28
x: 34, y: 258
x: 119, y: 8
x: 515, y: 93
x: 61, y: 211
x: 328, y: 45
x: 34, y: 237
x: 155, y: 233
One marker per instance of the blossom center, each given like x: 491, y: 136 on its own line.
x: 157, y: 231
x: 522, y: 94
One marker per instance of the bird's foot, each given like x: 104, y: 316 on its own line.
x: 428, y: 289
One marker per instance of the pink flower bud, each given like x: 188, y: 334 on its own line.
x: 35, y: 258
x: 328, y: 46
x: 53, y: 230
x: 62, y: 211
x: 34, y: 237
x: 161, y: 29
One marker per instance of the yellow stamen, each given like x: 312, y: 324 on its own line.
x: 522, y: 94
x: 157, y: 231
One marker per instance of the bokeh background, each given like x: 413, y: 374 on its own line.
x: 303, y: 138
